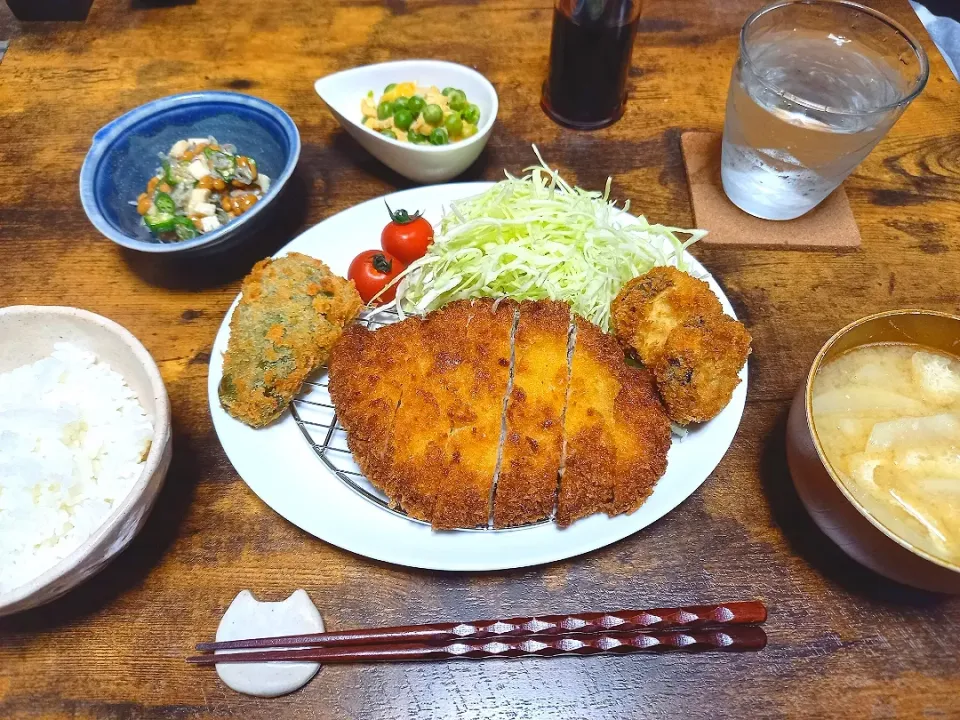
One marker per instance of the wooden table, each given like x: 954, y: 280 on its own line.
x: 843, y: 641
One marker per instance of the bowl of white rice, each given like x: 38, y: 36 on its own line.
x: 84, y: 448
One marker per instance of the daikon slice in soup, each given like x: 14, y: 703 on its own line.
x: 888, y: 420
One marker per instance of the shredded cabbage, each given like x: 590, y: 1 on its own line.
x: 536, y: 237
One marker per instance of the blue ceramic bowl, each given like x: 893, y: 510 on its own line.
x: 124, y: 156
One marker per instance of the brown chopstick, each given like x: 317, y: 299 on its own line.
x: 679, y: 618
x: 729, y: 639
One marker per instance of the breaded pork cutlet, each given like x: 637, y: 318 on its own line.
x: 422, y: 402
x: 422, y: 427
x: 617, y: 434
x: 417, y: 462
x: 431, y: 411
x: 367, y: 375
x: 699, y: 367
x: 641, y: 435
x: 533, y: 442
x: 472, y: 369
x: 649, y: 307
x: 291, y: 312
x: 397, y: 421
x: 586, y: 486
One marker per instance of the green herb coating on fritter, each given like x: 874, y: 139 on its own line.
x: 291, y: 312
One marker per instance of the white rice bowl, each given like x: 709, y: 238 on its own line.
x: 84, y: 448
x: 73, y: 440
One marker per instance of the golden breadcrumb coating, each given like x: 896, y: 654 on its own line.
x: 699, y: 368
x: 649, y: 307
x: 674, y: 324
x: 471, y: 349
x: 291, y: 312
x: 434, y: 406
x: 617, y: 433
x: 533, y: 443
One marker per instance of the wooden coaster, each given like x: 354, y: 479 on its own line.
x: 829, y: 225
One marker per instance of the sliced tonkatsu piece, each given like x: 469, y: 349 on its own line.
x: 533, y: 443
x: 587, y: 484
x: 367, y: 375
x: 421, y: 429
x: 640, y: 431
x: 471, y: 371
x: 617, y: 432
x: 422, y: 402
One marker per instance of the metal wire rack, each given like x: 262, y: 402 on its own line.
x: 316, y: 417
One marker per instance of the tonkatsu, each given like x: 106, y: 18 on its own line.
x: 470, y: 346
x: 488, y: 415
x: 533, y: 442
x: 617, y: 433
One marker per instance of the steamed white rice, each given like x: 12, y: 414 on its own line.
x: 73, y: 439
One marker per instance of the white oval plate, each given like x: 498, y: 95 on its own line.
x: 283, y: 470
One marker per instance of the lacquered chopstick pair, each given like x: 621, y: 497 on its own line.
x: 729, y: 627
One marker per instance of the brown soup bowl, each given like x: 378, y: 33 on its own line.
x: 834, y: 509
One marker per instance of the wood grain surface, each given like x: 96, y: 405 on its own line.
x: 843, y: 641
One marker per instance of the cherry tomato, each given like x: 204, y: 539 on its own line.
x: 406, y: 236
x: 372, y: 270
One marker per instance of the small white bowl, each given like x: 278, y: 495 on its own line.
x: 28, y: 334
x: 343, y: 91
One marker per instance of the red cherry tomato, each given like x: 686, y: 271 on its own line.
x: 406, y: 236
x: 372, y: 270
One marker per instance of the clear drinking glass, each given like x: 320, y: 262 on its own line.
x: 818, y: 83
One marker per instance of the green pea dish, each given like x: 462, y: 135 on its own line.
x: 412, y: 113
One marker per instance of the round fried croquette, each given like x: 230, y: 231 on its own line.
x: 650, y: 306
x: 699, y: 367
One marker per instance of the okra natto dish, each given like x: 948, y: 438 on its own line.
x: 200, y: 186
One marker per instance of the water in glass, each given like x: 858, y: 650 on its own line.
x: 805, y: 106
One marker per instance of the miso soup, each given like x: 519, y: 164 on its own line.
x: 888, y: 420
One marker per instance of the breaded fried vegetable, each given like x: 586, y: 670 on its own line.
x: 698, y: 369
x: 291, y: 312
x: 675, y: 325
x: 650, y: 306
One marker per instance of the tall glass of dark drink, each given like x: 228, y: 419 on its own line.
x: 590, y: 49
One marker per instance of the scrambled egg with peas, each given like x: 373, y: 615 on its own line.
x: 409, y: 112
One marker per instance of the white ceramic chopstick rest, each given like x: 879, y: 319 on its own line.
x: 246, y: 618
